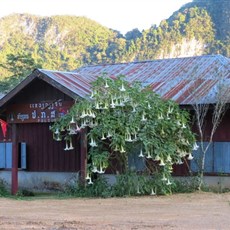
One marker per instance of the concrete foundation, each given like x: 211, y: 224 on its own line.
x: 42, y: 181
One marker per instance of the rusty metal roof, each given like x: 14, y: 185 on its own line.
x: 184, y: 80
x: 74, y: 82
x: 2, y: 95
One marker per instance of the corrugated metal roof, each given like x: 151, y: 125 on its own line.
x: 185, y: 80
x: 74, y: 82
x: 2, y: 95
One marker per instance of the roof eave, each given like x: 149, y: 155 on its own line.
x: 17, y: 89
x: 36, y: 74
x: 56, y: 85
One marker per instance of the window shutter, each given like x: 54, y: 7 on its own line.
x: 222, y: 157
x: 23, y: 155
x: 195, y: 164
x: 2, y: 155
x: 8, y: 155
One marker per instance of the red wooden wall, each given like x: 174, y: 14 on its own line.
x: 46, y: 154
x: 43, y: 153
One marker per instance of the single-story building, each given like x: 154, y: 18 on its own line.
x: 30, y: 156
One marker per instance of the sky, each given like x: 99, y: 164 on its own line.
x: 120, y: 15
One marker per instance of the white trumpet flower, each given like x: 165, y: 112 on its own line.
x: 190, y: 157
x: 170, y: 110
x: 72, y: 121
x: 92, y: 95
x: 122, y: 149
x: 103, y: 137
x: 179, y: 162
x: 160, y: 117
x: 134, y: 110
x: 168, y: 118
x: 90, y: 181
x: 105, y: 106
x: 169, y: 159
x: 78, y: 128
x: 109, y: 134
x: 101, y: 170
x: 106, y: 84
x: 162, y: 162
x: 157, y: 158
x: 135, y: 136
x: 88, y: 177
x: 148, y: 155
x: 183, y: 126
x: 71, y: 144
x: 116, y: 102
x: 153, y: 193
x: 122, y: 104
x: 97, y: 106
x: 143, y: 117
x: 164, y: 178
x: 112, y: 105
x: 195, y: 146
x: 122, y: 89
x: 116, y: 148
x: 83, y: 114
x: 93, y: 143
x: 66, y: 146
x: 128, y: 137
x: 57, y: 131
x: 72, y: 131
x: 141, y: 154
x: 168, y: 182
x: 138, y: 190
x: 94, y: 170
x: 58, y: 138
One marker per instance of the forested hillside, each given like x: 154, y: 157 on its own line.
x: 68, y: 42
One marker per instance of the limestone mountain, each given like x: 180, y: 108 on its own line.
x: 68, y: 42
x: 197, y: 28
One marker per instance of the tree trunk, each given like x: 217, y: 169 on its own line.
x: 201, y: 177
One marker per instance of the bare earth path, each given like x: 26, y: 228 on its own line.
x: 181, y: 211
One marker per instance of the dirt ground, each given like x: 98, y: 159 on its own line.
x: 181, y: 211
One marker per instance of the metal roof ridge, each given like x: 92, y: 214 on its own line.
x: 57, y: 71
x: 149, y: 61
x: 222, y: 59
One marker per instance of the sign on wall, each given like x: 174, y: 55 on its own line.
x: 39, y: 112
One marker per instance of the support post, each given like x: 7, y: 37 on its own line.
x: 14, y: 175
x: 83, y: 156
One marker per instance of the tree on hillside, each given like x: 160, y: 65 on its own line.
x: 133, y: 34
x: 19, y: 66
x: 126, y: 119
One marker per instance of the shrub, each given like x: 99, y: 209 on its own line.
x: 3, y: 189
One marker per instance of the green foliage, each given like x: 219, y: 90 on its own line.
x: 100, y: 188
x: 68, y: 42
x: 123, y: 116
x: 18, y: 66
x: 132, y: 183
x: 3, y: 189
x: 129, y: 184
x: 185, y: 185
x: 24, y: 193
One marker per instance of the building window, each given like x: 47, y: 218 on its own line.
x: 217, y: 159
x: 6, y: 155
